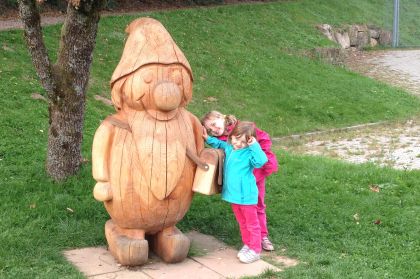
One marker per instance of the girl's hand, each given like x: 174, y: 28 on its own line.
x: 251, y: 140
x: 205, y: 134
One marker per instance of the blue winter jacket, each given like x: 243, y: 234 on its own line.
x: 239, y: 185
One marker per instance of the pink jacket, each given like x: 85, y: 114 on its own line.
x: 264, y: 140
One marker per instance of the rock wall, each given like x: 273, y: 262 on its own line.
x: 358, y: 36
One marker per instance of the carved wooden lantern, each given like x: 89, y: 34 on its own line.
x: 142, y: 156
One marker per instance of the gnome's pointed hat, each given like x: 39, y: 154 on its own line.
x: 148, y: 42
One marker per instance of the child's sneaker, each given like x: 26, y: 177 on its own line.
x: 249, y: 256
x: 243, y: 250
x: 266, y: 244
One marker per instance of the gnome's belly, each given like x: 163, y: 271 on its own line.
x: 150, y: 175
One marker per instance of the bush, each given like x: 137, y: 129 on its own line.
x: 8, y: 3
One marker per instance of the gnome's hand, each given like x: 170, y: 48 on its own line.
x: 102, y: 191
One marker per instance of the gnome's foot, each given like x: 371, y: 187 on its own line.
x: 171, y: 245
x: 128, y: 246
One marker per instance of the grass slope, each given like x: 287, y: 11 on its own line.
x: 240, y: 56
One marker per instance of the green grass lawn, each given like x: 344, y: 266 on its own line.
x: 240, y: 55
x: 311, y: 209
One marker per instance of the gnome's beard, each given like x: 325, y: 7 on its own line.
x: 164, y: 116
x: 161, y: 149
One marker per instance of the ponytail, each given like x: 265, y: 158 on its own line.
x: 230, y: 119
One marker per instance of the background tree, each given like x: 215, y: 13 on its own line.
x: 66, y: 80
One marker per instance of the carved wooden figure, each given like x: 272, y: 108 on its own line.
x: 142, y: 155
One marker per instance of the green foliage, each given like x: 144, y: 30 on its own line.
x: 9, y: 3
x: 244, y: 57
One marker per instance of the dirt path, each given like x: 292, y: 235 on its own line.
x: 387, y: 144
x: 17, y: 23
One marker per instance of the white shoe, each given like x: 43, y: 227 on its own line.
x: 249, y: 256
x: 266, y: 244
x: 243, y: 250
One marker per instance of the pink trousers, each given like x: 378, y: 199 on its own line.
x: 247, y: 218
x: 262, y: 218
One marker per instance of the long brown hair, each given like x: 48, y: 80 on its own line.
x: 243, y: 128
x: 214, y: 114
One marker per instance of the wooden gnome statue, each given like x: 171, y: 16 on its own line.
x: 143, y: 155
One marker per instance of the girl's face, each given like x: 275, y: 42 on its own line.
x: 216, y: 126
x: 238, y: 142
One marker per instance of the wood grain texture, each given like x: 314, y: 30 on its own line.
x: 139, y: 154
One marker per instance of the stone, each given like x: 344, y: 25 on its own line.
x: 326, y: 30
x: 374, y: 33
x: 385, y: 38
x: 342, y: 39
x: 373, y: 42
x: 353, y: 29
x: 359, y: 36
x: 335, y: 56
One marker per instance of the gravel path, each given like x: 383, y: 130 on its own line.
x: 395, y: 145
x: 398, y: 67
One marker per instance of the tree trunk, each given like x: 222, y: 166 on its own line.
x: 66, y: 81
x: 72, y: 69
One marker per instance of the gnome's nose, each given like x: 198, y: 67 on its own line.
x: 167, y: 96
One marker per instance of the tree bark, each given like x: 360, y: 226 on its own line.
x: 66, y: 81
x: 33, y: 35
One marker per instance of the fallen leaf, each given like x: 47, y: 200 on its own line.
x: 356, y: 217
x: 103, y: 100
x: 37, y: 96
x: 6, y: 48
x: 210, y: 99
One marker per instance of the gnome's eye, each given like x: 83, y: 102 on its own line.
x: 148, y: 77
x: 177, y: 77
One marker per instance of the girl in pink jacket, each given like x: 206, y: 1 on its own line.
x: 220, y: 126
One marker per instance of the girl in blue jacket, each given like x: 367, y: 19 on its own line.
x: 242, y: 154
